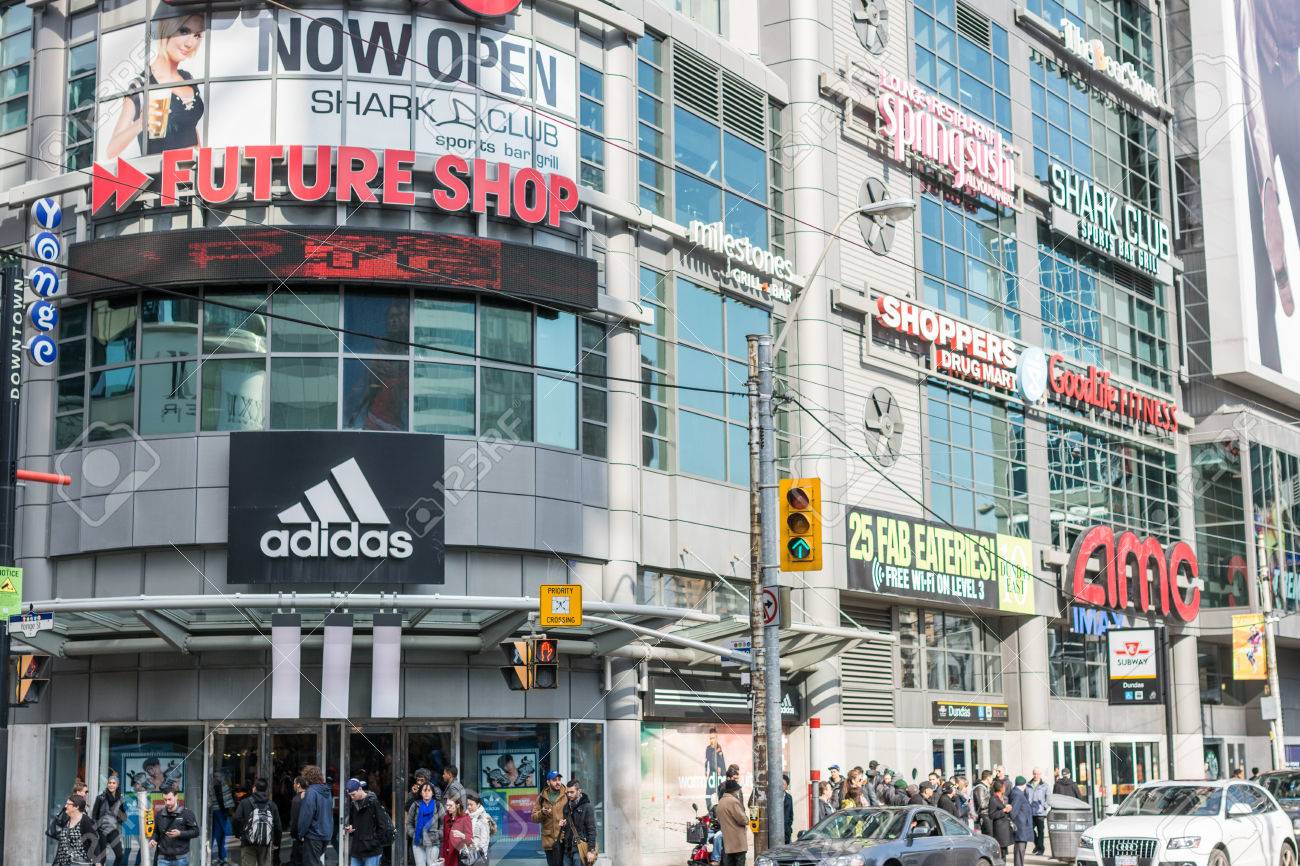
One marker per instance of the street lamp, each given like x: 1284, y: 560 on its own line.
x: 888, y: 209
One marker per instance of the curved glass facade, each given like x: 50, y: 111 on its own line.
x: 158, y: 364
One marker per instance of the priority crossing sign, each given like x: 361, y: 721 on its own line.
x: 561, y: 606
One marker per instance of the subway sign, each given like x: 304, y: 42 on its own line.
x: 1110, y: 224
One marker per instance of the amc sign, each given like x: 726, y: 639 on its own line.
x: 1134, y: 573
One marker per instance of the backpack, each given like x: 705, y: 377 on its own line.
x: 385, y: 833
x: 260, y: 829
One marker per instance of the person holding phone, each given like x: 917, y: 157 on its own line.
x: 174, y: 827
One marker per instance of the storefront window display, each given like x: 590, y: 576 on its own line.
x: 587, y: 765
x: 166, y: 366
x: 507, y: 764
x: 968, y: 65
x: 698, y: 339
x: 1097, y: 477
x: 969, y: 260
x: 1097, y: 312
x: 1214, y: 661
x: 1276, y: 515
x: 1220, y: 524
x: 149, y: 758
x: 1078, y: 664
x: 977, y: 461
x: 948, y: 652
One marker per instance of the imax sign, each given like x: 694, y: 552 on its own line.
x: 324, y: 507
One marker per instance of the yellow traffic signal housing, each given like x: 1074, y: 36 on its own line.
x: 518, y: 655
x: 801, y: 523
x: 545, y: 664
x: 33, y: 676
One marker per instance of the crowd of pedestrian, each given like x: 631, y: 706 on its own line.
x: 444, y: 824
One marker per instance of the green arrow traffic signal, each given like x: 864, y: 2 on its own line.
x: 799, y: 549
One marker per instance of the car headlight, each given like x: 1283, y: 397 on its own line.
x: 1179, y: 843
x: 1085, y: 841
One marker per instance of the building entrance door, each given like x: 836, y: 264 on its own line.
x: 1082, y: 759
x: 371, y: 758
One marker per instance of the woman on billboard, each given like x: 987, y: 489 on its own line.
x: 166, y: 118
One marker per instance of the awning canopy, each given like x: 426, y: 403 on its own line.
x: 468, y: 624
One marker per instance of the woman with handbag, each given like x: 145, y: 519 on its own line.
x: 457, y: 836
x: 578, y: 836
x: 483, y: 824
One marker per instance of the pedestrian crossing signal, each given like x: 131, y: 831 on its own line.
x: 33, y: 677
x: 515, y: 671
x: 546, y: 664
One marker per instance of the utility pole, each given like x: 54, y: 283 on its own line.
x: 11, y: 320
x: 757, y: 692
x: 1274, y: 688
x: 768, y: 720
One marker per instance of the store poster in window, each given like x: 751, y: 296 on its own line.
x: 148, y: 770
x: 508, y: 784
x: 684, y: 765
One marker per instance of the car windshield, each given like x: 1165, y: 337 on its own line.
x: 860, y: 824
x: 1284, y: 786
x: 1173, y: 800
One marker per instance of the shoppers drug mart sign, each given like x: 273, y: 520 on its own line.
x: 922, y: 126
x: 1110, y: 224
x: 344, y: 174
x: 919, y: 559
x: 960, y: 349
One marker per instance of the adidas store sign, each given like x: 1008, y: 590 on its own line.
x: 321, y: 507
x: 333, y: 531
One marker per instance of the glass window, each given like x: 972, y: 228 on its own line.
x: 557, y: 340
x: 444, y: 399
x: 1078, y: 664
x: 986, y: 294
x: 67, y: 761
x: 744, y: 168
x: 376, y: 313
x: 168, y: 395
x: 112, y: 331
x: 169, y: 327
x: 587, y: 766
x: 15, y: 68
x: 1221, y: 530
x: 696, y: 199
x: 444, y: 323
x: 955, y: 652
x: 112, y: 403
x: 704, y: 446
x: 304, y: 393
x: 507, y: 334
x: 319, y: 309
x: 150, y: 757
x: 697, y: 144
x: 234, y: 322
x: 699, y: 315
x: 375, y: 394
x: 499, y: 760
x: 744, y: 219
x: 233, y: 394
x: 557, y: 412
x: 507, y: 403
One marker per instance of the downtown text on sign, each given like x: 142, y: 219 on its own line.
x: 919, y: 559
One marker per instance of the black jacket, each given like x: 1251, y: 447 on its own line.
x: 917, y: 800
x: 580, y: 824
x: 184, y: 821
x: 294, y: 806
x: 1065, y: 786
x: 244, y: 813
x: 364, y: 817
x: 77, y: 844
x: 787, y: 812
x: 948, y: 804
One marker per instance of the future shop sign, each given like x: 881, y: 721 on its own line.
x: 985, y: 358
x: 352, y: 172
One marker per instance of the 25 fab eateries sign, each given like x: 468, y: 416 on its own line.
x: 919, y: 559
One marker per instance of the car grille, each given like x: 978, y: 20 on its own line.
x: 1143, y: 849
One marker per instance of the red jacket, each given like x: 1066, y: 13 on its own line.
x: 456, y: 834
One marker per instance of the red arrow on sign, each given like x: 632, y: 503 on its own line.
x: 120, y: 188
x: 771, y: 608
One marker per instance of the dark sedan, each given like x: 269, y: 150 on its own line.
x: 908, y: 835
x: 1285, y: 786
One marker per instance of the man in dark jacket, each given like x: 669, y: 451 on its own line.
x: 368, y: 825
x: 174, y: 827
x: 1065, y: 785
x: 981, y: 794
x: 452, y: 789
x: 787, y: 809
x: 257, y: 824
x: 315, y: 817
x: 578, y: 835
x: 1022, y: 819
x: 295, y: 805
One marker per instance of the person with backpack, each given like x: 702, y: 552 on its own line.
x: 109, y: 815
x: 369, y: 828
x: 257, y: 823
x: 424, y: 826
x: 484, y: 827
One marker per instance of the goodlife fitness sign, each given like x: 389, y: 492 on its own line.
x: 993, y: 361
x: 343, y: 174
x: 920, y: 124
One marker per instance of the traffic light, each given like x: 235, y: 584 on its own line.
x: 33, y: 676
x: 801, y: 524
x: 546, y: 663
x: 516, y: 671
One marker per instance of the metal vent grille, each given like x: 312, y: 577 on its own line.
x: 742, y: 108
x: 695, y: 82
x: 867, y: 670
x: 973, y: 26
x: 1138, y: 284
